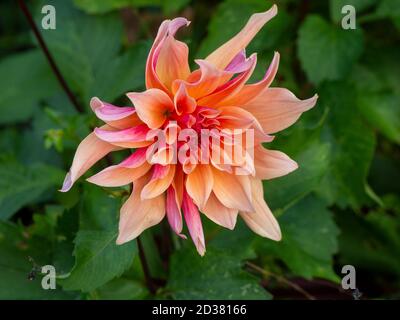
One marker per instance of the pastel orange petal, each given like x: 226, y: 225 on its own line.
x: 161, y: 179
x: 199, y: 184
x: 152, y: 106
x: 278, y: 108
x: 137, y: 215
x: 233, y: 191
x: 261, y: 220
x: 116, y: 117
x: 271, y: 164
x: 89, y: 151
x: 218, y: 213
x: 134, y: 137
x: 183, y: 102
x: 250, y: 91
x: 172, y: 62
x: 225, y: 54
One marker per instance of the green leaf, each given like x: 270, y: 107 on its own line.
x: 372, y: 242
x: 313, y: 161
x: 98, y: 259
x: 309, y: 240
x: 87, y: 51
x: 327, y: 52
x: 353, y: 145
x: 20, y: 94
x: 121, y: 289
x: 15, y: 266
x: 21, y: 185
x: 336, y: 6
x: 217, y: 275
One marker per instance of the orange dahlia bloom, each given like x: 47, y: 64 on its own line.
x: 190, y: 176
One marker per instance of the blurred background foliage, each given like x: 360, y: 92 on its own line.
x: 342, y: 206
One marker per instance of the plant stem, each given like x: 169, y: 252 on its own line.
x: 49, y: 57
x: 149, y: 281
x: 280, y: 279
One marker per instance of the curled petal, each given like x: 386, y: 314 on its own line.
x: 193, y: 222
x: 261, y: 220
x: 129, y: 170
x: 218, y: 213
x: 250, y: 91
x: 233, y: 191
x: 183, y: 102
x: 89, y: 151
x: 172, y: 62
x: 225, y: 54
x: 199, y: 184
x: 152, y: 106
x: 168, y: 27
x: 278, y: 108
x: 137, y: 214
x: 174, y: 212
x: 271, y: 164
x: 231, y: 87
x: 135, y: 137
x: 117, y: 117
x: 203, y: 81
x: 160, y: 181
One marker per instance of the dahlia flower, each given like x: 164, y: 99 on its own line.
x: 173, y: 171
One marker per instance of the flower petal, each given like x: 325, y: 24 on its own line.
x: 172, y: 62
x: 218, y: 213
x: 193, y: 222
x: 174, y: 212
x: 168, y: 27
x: 261, y: 220
x: 135, y: 137
x: 89, y: 151
x: 152, y: 106
x: 233, y: 191
x: 203, y: 81
x: 278, y: 108
x: 124, y: 173
x: 271, y: 164
x: 160, y: 180
x: 199, y: 184
x: 225, y: 54
x: 183, y: 102
x: 251, y: 91
x: 117, y: 117
x: 137, y: 215
x: 231, y: 87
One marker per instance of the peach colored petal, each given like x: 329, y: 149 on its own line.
x: 271, y: 164
x: 203, y: 81
x: 174, y: 212
x: 137, y: 215
x: 183, y: 102
x: 117, y: 176
x: 167, y: 27
x: 233, y: 86
x: 172, y: 62
x: 199, y: 184
x: 250, y: 91
x: 160, y: 180
x: 117, y: 117
x: 225, y: 54
x: 233, y: 191
x: 152, y: 106
x: 193, y: 222
x: 261, y: 220
x: 218, y: 213
x: 278, y: 108
x: 89, y: 151
x: 127, y: 138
